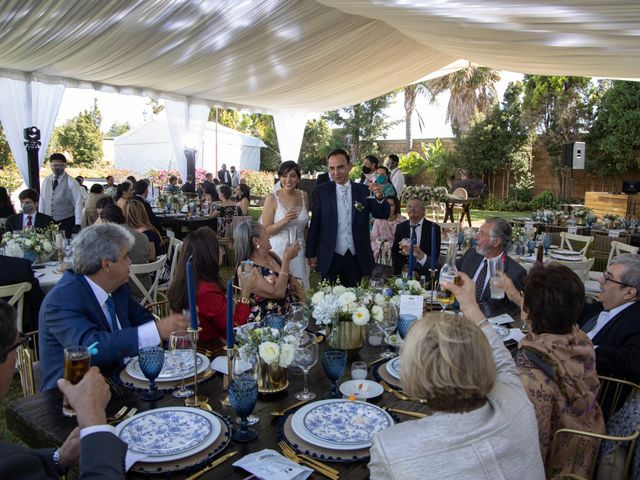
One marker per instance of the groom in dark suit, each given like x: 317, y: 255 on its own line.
x: 338, y: 243
x: 29, y: 217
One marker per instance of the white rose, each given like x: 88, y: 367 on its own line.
x: 286, y: 355
x: 346, y: 298
x: 290, y: 340
x: 377, y: 313
x: 269, y: 352
x: 360, y: 316
x: 28, y: 243
x: 339, y: 290
x: 47, y: 246
x: 399, y: 282
x: 317, y: 298
x: 414, y: 284
x: 379, y: 299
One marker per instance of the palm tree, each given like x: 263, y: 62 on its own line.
x: 473, y: 90
x: 411, y: 93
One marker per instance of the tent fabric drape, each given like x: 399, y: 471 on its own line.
x: 290, y: 130
x: 24, y: 104
x: 186, y: 124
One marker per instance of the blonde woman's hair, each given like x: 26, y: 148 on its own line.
x: 136, y: 216
x: 447, y: 361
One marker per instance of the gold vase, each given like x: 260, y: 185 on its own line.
x: 346, y: 335
x: 272, y: 377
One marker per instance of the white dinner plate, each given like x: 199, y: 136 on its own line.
x: 393, y: 367
x: 169, y: 433
x: 170, y: 370
x: 361, y: 389
x: 340, y: 424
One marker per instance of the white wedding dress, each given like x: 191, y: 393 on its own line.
x: 298, y: 266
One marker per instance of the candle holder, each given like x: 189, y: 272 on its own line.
x: 224, y: 401
x: 432, y: 275
x: 196, y: 400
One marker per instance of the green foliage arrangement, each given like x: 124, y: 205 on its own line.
x: 260, y: 183
x: 544, y: 200
x: 412, y: 163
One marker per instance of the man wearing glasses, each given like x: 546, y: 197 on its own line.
x: 615, y: 332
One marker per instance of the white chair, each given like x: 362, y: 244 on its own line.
x: 177, y: 254
x: 16, y: 292
x: 447, y: 226
x: 616, y: 249
x: 174, y: 245
x: 149, y: 295
x: 567, y: 239
x: 580, y: 268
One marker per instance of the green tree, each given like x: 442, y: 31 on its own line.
x: 118, y: 129
x: 614, y: 140
x: 315, y: 145
x: 360, y: 125
x: 473, y: 91
x: 5, y: 152
x: 81, y: 137
x: 411, y: 93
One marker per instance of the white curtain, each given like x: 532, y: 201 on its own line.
x: 290, y: 130
x: 186, y: 124
x: 23, y: 104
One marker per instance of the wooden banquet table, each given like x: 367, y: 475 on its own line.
x: 450, y: 202
x: 38, y: 420
x: 178, y: 221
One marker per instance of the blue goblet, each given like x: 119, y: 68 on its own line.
x: 460, y: 240
x: 151, y: 360
x: 404, y: 324
x: 531, y: 246
x: 275, y: 321
x: 546, y: 243
x: 243, y: 394
x: 334, y: 363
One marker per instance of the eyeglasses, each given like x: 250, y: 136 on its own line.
x: 22, y: 340
x: 607, y: 278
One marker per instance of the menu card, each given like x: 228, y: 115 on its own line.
x: 411, y: 304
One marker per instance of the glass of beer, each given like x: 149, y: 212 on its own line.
x: 77, y: 361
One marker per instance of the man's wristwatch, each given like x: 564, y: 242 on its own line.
x: 57, y: 462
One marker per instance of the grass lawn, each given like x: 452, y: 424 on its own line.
x: 14, y: 393
x: 477, y: 215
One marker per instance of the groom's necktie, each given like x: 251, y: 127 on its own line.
x: 344, y: 195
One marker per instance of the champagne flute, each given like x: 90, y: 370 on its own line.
x: 181, y: 346
x: 305, y: 357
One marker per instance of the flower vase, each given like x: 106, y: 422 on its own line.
x: 580, y: 221
x: 346, y: 335
x: 272, y: 377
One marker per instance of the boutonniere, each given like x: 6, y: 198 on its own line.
x: 358, y: 206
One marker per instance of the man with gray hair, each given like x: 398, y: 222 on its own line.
x: 615, y: 331
x: 492, y: 238
x: 93, y: 303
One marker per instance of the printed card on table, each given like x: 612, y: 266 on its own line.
x: 411, y: 304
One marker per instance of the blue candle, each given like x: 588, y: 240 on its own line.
x: 230, y: 313
x: 434, y: 249
x: 411, y: 259
x: 191, y: 291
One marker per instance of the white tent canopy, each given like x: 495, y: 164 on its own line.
x: 299, y: 56
x: 149, y: 147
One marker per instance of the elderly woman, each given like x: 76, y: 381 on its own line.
x: 276, y: 288
x: 557, y: 366
x: 211, y: 300
x: 483, y: 425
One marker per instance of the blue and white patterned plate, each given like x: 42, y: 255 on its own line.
x: 171, y: 368
x: 340, y: 424
x: 170, y: 433
x: 393, y: 367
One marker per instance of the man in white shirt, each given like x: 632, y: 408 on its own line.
x: 235, y: 177
x: 615, y: 332
x: 61, y: 196
x: 396, y: 177
x: 93, y: 303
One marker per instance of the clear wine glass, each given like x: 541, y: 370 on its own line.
x: 387, y: 325
x: 181, y: 346
x: 297, y: 320
x: 246, y: 364
x: 305, y: 357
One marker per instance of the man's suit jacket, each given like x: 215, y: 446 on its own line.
x: 618, y: 345
x: 101, y: 456
x: 210, y: 189
x: 470, y: 262
x: 14, y: 222
x: 404, y: 231
x: 322, y: 178
x: 71, y: 315
x: 187, y: 187
x: 225, y: 177
x: 321, y: 240
x: 17, y: 270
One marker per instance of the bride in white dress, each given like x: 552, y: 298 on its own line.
x: 286, y: 216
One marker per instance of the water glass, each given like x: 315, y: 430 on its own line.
x: 151, y: 360
x: 77, y: 361
x: 182, y: 346
x: 546, y: 243
x: 404, y: 324
x: 293, y: 234
x: 496, y: 279
x: 305, y: 357
x: 243, y: 394
x: 359, y: 370
x: 296, y: 319
x: 374, y: 335
x: 334, y: 363
x: 246, y: 364
x: 387, y: 326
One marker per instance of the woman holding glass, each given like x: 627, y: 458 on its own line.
x: 211, y: 300
x: 275, y: 288
x: 384, y: 230
x: 286, y: 216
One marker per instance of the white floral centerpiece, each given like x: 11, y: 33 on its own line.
x: 275, y: 351
x: 33, y: 243
x: 346, y: 312
x: 401, y: 286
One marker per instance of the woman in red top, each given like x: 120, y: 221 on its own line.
x: 211, y: 298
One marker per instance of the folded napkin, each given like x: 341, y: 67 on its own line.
x: 270, y: 465
x: 131, y: 458
x: 501, y: 319
x: 515, y: 334
x: 220, y: 364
